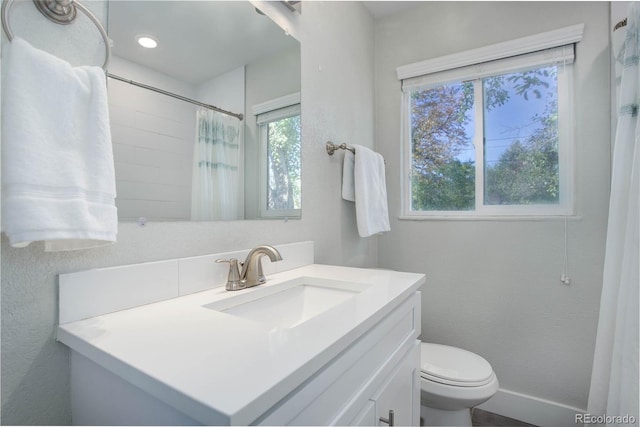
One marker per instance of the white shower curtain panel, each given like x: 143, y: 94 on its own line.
x: 216, y: 160
x: 614, y: 380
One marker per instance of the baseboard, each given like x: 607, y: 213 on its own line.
x: 532, y: 410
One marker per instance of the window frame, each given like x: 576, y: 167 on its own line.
x: 531, y: 52
x: 268, y: 112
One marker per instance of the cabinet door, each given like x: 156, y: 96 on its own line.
x: 366, y: 417
x: 401, y: 393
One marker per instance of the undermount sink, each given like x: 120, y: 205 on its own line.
x: 290, y: 303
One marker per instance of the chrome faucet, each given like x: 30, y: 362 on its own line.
x: 251, y: 274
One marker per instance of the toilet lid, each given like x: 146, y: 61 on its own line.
x: 454, y: 366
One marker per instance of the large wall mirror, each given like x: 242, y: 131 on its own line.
x: 177, y: 160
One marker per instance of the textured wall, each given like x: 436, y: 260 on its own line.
x: 337, y: 103
x: 493, y: 286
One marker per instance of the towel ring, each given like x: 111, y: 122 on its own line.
x: 61, y: 12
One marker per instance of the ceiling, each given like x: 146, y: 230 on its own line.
x: 380, y: 9
x: 197, y: 40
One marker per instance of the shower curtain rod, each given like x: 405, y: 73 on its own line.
x: 173, y: 95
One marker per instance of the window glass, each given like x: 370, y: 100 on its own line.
x: 491, y: 145
x: 283, y: 164
x: 442, y: 151
x: 521, y: 138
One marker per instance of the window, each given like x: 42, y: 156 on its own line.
x: 490, y: 139
x: 281, y: 182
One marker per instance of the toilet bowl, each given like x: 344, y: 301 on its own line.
x: 452, y: 381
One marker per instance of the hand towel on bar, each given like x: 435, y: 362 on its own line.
x: 348, y: 186
x: 58, y: 179
x: 372, y: 212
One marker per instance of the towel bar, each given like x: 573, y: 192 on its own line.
x: 331, y: 148
x: 61, y: 12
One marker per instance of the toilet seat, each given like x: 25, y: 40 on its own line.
x: 454, y: 366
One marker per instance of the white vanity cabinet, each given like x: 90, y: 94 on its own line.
x: 399, y: 395
x: 179, y: 362
x: 378, y: 373
x: 394, y: 395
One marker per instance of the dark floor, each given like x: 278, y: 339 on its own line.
x: 482, y: 418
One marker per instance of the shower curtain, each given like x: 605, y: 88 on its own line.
x: 614, y: 380
x: 216, y: 160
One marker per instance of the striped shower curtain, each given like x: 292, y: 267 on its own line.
x: 216, y: 160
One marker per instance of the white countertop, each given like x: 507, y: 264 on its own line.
x: 220, y: 368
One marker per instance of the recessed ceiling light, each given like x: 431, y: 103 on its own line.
x: 148, y: 42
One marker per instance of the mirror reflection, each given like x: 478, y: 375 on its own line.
x: 180, y: 160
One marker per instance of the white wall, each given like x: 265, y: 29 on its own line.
x: 225, y: 91
x: 493, y: 286
x: 337, y: 104
x: 153, y: 136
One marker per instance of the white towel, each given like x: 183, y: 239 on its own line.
x: 372, y: 212
x: 58, y: 180
x: 348, y: 186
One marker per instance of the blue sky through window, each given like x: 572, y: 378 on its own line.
x: 510, y: 122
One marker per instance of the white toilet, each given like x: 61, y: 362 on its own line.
x: 452, y: 381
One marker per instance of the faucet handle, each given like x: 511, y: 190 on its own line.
x: 233, y: 279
